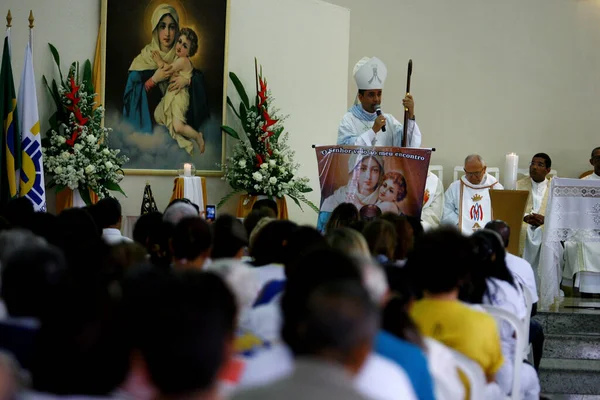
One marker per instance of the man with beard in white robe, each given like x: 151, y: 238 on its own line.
x: 467, y: 203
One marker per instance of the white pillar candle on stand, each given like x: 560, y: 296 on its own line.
x: 510, y: 171
x: 187, y: 169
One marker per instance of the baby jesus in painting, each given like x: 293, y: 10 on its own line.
x: 171, y: 110
x: 391, y: 192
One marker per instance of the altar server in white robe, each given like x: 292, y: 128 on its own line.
x: 433, y: 202
x: 582, y: 259
x: 532, y: 229
x: 361, y: 126
x: 467, y: 203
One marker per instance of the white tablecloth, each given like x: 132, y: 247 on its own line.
x: 573, y: 214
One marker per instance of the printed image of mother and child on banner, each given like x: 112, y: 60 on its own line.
x: 376, y: 180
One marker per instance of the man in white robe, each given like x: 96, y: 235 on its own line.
x: 532, y: 229
x: 361, y: 126
x: 433, y: 202
x: 467, y: 203
x: 582, y: 259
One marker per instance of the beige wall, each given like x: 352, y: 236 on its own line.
x: 490, y: 76
x: 298, y: 36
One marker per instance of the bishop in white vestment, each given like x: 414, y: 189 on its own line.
x: 433, y: 202
x: 361, y: 125
x: 532, y: 230
x: 582, y: 259
x: 467, y: 203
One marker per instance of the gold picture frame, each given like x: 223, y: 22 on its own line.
x: 127, y: 137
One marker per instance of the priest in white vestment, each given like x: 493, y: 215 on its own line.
x: 433, y: 202
x: 582, y: 259
x: 532, y: 229
x: 467, y: 203
x: 361, y: 125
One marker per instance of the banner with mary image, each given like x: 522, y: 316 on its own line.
x: 375, y: 180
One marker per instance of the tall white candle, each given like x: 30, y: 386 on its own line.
x: 187, y: 169
x: 510, y: 171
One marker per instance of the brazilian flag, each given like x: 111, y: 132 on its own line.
x: 10, y: 146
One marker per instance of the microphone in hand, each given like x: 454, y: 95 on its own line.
x: 378, y: 112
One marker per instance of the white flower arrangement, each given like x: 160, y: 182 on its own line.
x: 76, y: 153
x: 262, y: 161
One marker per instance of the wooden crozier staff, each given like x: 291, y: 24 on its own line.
x: 405, y: 126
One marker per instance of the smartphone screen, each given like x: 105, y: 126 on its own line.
x: 211, y: 212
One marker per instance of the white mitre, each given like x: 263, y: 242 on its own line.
x: 370, y: 73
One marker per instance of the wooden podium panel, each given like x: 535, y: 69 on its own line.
x: 509, y: 206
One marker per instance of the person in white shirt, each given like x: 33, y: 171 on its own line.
x: 433, y: 202
x: 492, y: 283
x: 467, y: 203
x: 537, y: 184
x: 523, y: 274
x: 108, y: 215
x: 362, y: 125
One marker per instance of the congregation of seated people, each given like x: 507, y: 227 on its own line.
x: 187, y: 308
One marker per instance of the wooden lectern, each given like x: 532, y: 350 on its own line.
x: 509, y: 206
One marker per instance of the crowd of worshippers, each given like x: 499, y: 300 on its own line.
x: 261, y: 309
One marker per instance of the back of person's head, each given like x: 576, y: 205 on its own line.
x: 417, y: 227
x: 358, y: 226
x: 489, y: 253
x: 381, y: 238
x: 79, y: 349
x: 45, y: 225
x: 307, y: 273
x: 18, y: 211
x: 260, y: 224
x: 145, y: 225
x: 14, y: 240
x: 230, y: 237
x: 341, y: 216
x: 370, y: 212
x: 77, y: 226
x: 268, y: 246
x: 192, y: 238
x: 240, y: 278
x: 339, y: 324
x: 348, y: 241
x: 374, y: 279
x: 29, y: 277
x: 178, y: 210
x: 501, y: 228
x: 86, y: 253
x: 158, y: 245
x: 125, y: 256
x: 404, y: 234
x: 266, y: 203
x: 440, y: 260
x: 300, y: 242
x: 396, y: 318
x: 185, y: 335
x: 255, y: 216
x: 108, y: 210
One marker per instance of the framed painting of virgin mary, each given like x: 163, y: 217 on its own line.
x: 164, y: 83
